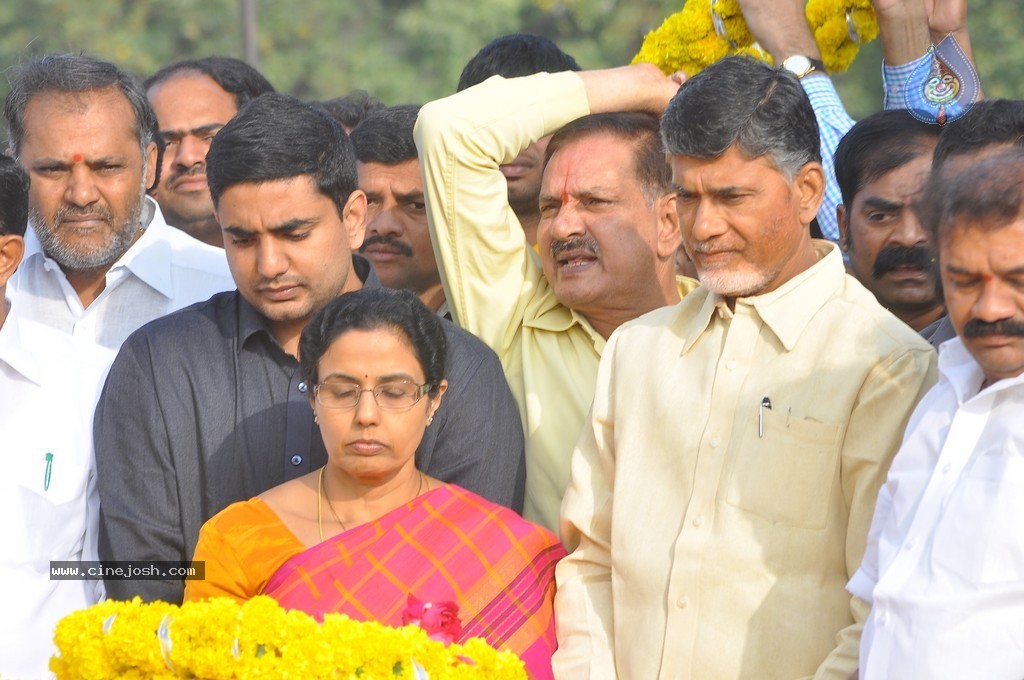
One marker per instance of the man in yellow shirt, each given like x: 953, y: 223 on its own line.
x: 723, y: 487
x: 606, y: 239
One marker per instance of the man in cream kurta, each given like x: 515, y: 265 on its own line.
x: 494, y: 282
x: 722, y: 490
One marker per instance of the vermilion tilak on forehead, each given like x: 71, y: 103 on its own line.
x: 565, y: 188
x: 77, y: 157
x: 987, y: 278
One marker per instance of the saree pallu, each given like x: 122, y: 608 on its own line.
x: 448, y: 545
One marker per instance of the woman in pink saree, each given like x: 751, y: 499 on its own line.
x: 369, y: 535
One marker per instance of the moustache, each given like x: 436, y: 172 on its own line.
x: 894, y: 257
x: 190, y: 171
x: 70, y: 212
x: 586, y: 243
x: 402, y: 248
x: 976, y: 328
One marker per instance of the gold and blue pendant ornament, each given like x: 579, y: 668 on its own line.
x: 704, y: 31
x: 944, y: 87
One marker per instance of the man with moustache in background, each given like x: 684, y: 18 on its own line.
x: 193, y: 99
x: 881, y: 165
x: 397, y: 235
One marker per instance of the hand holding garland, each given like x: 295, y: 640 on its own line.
x: 704, y: 32
x: 780, y: 27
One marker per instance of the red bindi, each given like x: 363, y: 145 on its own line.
x: 987, y: 278
x: 565, y: 188
x: 77, y: 158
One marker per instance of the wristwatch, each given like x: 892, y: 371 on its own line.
x: 801, y: 65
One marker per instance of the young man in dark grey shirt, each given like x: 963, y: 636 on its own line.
x: 205, y: 407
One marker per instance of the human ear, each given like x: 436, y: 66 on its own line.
x: 809, y: 184
x: 669, y: 233
x: 12, y: 248
x: 435, y: 401
x: 354, y: 218
x: 844, y: 242
x: 151, y: 167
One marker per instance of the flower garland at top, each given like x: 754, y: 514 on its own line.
x: 705, y: 31
x: 219, y: 638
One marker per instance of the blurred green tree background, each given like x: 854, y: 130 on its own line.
x: 412, y: 50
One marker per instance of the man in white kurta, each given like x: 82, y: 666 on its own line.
x: 48, y: 390
x: 944, y: 567
x: 48, y: 500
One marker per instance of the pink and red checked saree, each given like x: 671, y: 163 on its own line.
x: 448, y: 545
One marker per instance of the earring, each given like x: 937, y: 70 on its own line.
x: 430, y: 419
x: 315, y: 419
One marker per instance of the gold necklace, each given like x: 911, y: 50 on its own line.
x: 321, y: 493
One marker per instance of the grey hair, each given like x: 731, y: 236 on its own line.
x: 74, y: 73
x: 744, y: 102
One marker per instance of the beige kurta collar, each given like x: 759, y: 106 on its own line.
x: 788, y: 309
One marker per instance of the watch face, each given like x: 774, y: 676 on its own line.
x: 798, y: 64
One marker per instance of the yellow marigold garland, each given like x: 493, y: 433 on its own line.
x: 221, y: 639
x: 689, y: 41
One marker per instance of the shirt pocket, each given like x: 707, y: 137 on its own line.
x: 786, y: 475
x: 53, y: 512
x: 979, y: 535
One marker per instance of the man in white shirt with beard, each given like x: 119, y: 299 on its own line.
x: 48, y: 500
x: 944, y: 565
x: 99, y: 261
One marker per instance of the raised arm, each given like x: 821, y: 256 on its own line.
x: 908, y: 28
x: 490, y: 274
x: 781, y: 28
x: 640, y: 87
x: 903, y: 30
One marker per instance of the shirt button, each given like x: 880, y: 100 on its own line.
x: 683, y: 602
x: 911, y: 544
x: 730, y: 365
x: 697, y: 521
x: 946, y: 468
x: 302, y: 387
x: 714, y: 442
x: 883, y: 618
x: 296, y: 460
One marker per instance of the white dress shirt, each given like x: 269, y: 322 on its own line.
x: 48, y: 390
x: 165, y: 270
x: 944, y: 566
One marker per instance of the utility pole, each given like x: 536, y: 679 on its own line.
x: 250, y: 49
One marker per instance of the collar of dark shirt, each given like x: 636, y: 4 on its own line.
x: 252, y: 323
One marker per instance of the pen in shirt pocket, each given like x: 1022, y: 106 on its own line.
x: 766, y: 403
x: 48, y: 472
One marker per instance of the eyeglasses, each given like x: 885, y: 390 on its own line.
x: 395, y: 395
